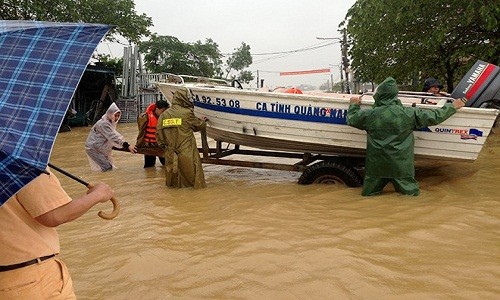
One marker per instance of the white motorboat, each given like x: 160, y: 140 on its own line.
x: 317, y: 123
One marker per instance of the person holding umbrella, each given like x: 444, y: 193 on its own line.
x: 102, y: 138
x: 41, y: 64
x: 29, y: 267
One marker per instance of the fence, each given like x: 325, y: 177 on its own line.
x: 138, y: 87
x: 146, y: 94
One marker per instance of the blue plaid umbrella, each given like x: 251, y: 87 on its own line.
x: 41, y: 64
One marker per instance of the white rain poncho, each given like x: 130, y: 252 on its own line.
x: 101, y: 140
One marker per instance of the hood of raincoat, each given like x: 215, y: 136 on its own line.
x: 112, y: 110
x: 387, y: 93
x: 183, y: 98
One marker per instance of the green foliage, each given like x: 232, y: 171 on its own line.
x: 417, y: 39
x: 113, y: 63
x: 239, y: 59
x: 245, y: 76
x: 206, y: 58
x: 168, y: 54
x: 120, y: 13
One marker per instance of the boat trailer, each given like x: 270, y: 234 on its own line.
x: 315, y: 168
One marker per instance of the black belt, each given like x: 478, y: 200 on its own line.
x: 25, y: 264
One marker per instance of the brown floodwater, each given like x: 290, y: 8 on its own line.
x: 257, y: 234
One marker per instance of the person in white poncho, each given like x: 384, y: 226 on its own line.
x: 102, y: 138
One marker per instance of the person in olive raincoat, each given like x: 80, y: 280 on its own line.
x: 390, y: 141
x: 174, y: 133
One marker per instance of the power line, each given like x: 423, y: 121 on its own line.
x: 287, y: 53
x: 313, y: 47
x: 281, y: 54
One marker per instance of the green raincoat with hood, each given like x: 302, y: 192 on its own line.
x: 390, y: 141
x: 174, y: 133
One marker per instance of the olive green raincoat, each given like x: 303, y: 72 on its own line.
x: 390, y: 141
x: 174, y: 133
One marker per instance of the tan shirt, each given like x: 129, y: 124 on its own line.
x: 22, y: 238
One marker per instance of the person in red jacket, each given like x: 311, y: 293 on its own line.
x: 146, y: 123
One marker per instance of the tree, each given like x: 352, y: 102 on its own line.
x: 238, y: 60
x: 120, y: 13
x: 245, y: 76
x: 168, y: 54
x: 112, y: 63
x: 206, y: 58
x: 412, y: 40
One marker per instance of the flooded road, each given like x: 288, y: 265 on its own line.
x: 257, y: 234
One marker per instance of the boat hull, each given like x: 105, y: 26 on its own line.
x: 317, y: 123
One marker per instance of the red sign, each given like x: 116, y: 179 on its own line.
x: 305, y: 72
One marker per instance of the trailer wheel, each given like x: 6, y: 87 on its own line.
x: 330, y: 172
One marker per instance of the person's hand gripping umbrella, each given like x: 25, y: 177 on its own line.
x: 41, y: 64
x: 106, y: 216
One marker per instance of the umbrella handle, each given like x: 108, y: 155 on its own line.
x: 114, y: 213
x: 116, y: 207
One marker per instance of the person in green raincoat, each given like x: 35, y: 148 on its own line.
x: 174, y: 133
x: 390, y: 141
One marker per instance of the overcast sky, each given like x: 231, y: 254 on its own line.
x: 268, y: 26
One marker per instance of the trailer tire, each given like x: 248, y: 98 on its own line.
x: 330, y: 172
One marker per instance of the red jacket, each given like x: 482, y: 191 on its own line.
x: 150, y: 136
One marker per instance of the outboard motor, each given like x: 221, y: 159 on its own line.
x: 480, y: 85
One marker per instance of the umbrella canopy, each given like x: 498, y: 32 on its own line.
x: 41, y: 64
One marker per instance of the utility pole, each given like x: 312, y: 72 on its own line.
x: 341, y: 78
x: 339, y: 40
x: 345, y: 61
